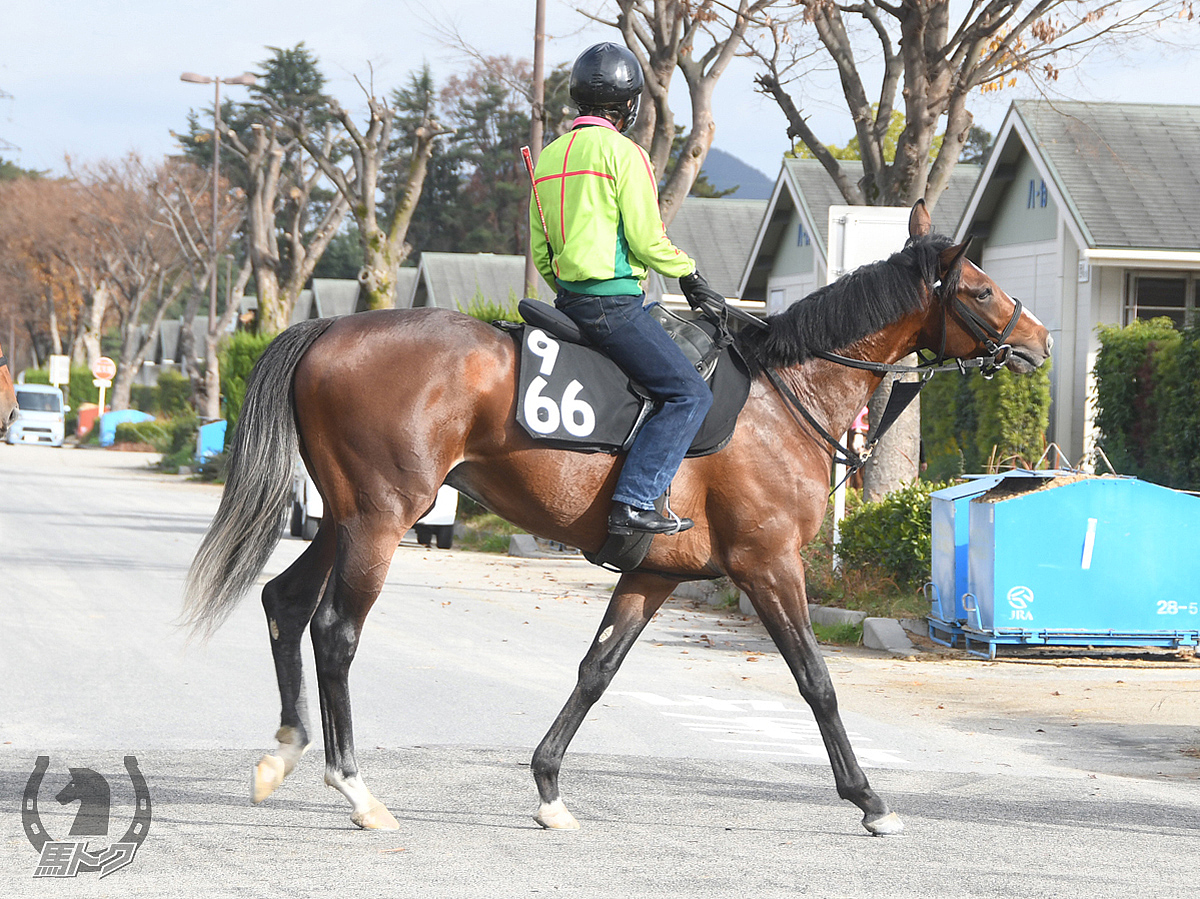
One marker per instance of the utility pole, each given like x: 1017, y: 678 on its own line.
x: 536, y: 124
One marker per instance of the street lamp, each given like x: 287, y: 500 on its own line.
x: 247, y: 79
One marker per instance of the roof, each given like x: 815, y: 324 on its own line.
x: 719, y: 235
x: 1128, y: 173
x: 805, y: 184
x: 335, y: 296
x: 452, y: 280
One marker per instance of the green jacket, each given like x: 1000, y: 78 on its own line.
x: 600, y: 200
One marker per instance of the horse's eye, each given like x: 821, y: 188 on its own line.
x: 985, y: 294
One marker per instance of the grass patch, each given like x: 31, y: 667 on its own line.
x: 840, y: 634
x: 486, y: 532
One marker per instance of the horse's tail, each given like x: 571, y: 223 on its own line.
x: 258, y: 482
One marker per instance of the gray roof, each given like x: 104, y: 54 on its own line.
x: 335, y: 296
x: 305, y: 307
x: 1130, y: 172
x: 819, y: 192
x: 406, y: 283
x: 452, y: 280
x: 719, y: 234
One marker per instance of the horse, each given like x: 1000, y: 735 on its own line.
x: 385, y: 406
x: 8, y: 396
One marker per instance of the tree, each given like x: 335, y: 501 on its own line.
x: 383, y: 238
x: 932, y: 60
x: 665, y: 35
x: 290, y: 221
x: 183, y: 192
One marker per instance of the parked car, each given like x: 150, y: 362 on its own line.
x: 41, y: 417
x: 307, y: 509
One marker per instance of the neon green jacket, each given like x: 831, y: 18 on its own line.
x: 600, y: 200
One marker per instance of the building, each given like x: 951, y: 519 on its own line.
x: 1090, y: 214
x: 789, y: 257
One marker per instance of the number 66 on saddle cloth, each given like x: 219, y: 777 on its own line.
x: 576, y: 398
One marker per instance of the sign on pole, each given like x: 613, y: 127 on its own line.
x: 60, y: 370
x: 104, y: 369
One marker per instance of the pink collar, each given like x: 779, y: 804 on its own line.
x: 593, y: 120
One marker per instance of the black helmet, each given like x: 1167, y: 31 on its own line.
x: 608, y: 76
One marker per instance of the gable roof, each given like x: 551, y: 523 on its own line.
x: 1127, y: 174
x: 451, y: 280
x: 335, y: 296
x: 804, y: 185
x: 718, y: 234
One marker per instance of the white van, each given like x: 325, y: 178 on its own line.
x: 41, y: 417
x: 307, y: 509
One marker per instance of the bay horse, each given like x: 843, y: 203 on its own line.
x: 386, y: 406
x: 8, y: 396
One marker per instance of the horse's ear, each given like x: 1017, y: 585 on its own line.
x: 919, y: 222
x: 952, y: 257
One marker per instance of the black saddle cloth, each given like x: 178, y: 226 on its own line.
x: 574, y: 397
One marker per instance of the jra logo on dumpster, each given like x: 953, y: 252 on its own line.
x: 1020, y: 598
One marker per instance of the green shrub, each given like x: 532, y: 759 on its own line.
x: 488, y: 310
x: 968, y: 421
x: 237, y: 357
x: 173, y: 437
x: 892, y: 536
x: 1146, y: 400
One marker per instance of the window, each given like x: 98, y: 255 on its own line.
x: 1155, y: 294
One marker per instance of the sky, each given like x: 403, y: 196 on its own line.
x: 95, y: 78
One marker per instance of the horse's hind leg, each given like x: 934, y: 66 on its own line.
x: 289, y: 601
x: 637, y: 597
x: 364, y: 552
x: 778, y: 594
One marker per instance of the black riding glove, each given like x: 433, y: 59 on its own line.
x: 701, y: 297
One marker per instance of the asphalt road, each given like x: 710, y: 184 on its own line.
x: 699, y: 774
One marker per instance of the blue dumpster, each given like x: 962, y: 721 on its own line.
x: 210, y: 439
x: 1080, y: 560
x: 949, y: 534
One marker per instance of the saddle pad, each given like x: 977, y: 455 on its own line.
x: 574, y: 397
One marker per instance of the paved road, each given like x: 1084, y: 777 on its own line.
x: 699, y: 774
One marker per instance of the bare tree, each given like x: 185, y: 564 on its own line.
x: 931, y: 58
x: 182, y: 191
x: 383, y: 243
x: 700, y: 39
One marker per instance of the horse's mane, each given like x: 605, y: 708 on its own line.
x: 858, y: 304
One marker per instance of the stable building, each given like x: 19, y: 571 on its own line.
x: 1090, y: 214
x: 789, y: 257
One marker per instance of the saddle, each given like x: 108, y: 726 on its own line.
x: 573, y: 396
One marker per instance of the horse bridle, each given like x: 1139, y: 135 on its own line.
x: 903, y: 393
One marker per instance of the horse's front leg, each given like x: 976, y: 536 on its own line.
x: 364, y: 553
x: 775, y: 585
x: 633, y: 603
x: 289, y: 601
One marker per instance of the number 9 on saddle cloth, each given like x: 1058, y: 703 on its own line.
x: 576, y: 398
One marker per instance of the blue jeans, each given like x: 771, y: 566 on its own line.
x: 625, y: 332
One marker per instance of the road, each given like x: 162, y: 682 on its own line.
x: 699, y: 773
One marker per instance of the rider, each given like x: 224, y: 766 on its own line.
x: 600, y: 232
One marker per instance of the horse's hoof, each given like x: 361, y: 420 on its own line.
x: 554, y: 816
x: 268, y: 775
x: 377, y: 817
x: 888, y: 825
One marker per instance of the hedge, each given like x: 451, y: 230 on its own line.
x: 966, y: 421
x: 1148, y: 401
x: 237, y: 357
x: 893, y: 535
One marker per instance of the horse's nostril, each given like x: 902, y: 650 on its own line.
x: 1049, y: 343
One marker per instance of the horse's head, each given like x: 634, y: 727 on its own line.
x: 8, y: 397
x: 976, y: 317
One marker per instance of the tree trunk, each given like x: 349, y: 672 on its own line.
x: 896, y: 459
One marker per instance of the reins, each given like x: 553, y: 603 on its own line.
x: 903, y: 392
